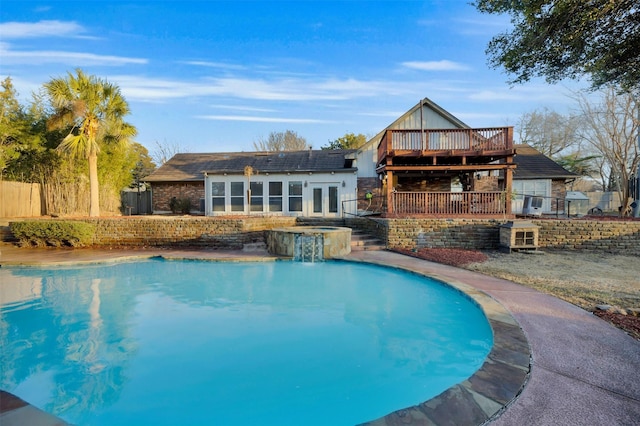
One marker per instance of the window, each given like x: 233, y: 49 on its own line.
x: 257, y: 189
x: 275, y: 196
x: 295, y: 196
x: 237, y: 196
x: 535, y: 187
x: 217, y: 196
x: 317, y: 200
x: 333, y: 199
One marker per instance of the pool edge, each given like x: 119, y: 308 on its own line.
x: 475, y: 401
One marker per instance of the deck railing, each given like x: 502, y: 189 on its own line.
x: 449, y: 203
x: 489, y: 139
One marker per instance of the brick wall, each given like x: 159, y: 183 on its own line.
x: 163, y: 192
x: 486, y: 184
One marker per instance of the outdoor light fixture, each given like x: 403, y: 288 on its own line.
x: 344, y: 184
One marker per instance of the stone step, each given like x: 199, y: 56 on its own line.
x: 259, y: 246
x: 364, y: 242
x: 369, y: 247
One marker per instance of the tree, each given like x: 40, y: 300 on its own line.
x: 549, y: 132
x: 22, y: 135
x: 583, y: 166
x: 610, y: 128
x: 559, y: 39
x: 282, y: 141
x: 164, y: 151
x: 94, y: 111
x: 348, y: 141
x: 144, y: 162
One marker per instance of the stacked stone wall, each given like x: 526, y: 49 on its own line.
x: 215, y: 233
x: 468, y: 234
x: 474, y: 234
x: 611, y: 236
x: 484, y: 234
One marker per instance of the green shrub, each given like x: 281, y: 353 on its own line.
x: 180, y: 205
x: 53, y: 233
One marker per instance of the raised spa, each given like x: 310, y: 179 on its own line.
x: 309, y: 243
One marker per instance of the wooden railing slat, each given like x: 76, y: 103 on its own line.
x: 449, y: 203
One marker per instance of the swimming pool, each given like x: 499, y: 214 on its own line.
x: 192, y: 342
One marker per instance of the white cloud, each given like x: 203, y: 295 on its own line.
x: 242, y: 108
x: 18, y: 30
x: 39, y: 57
x: 443, y: 65
x: 262, y: 119
x: 497, y: 95
x: 525, y: 94
x: 221, y: 65
x: 286, y: 89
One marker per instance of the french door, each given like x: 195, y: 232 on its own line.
x: 324, y: 200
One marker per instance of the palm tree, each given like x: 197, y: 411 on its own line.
x: 94, y: 110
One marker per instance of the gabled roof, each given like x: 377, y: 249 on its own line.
x: 191, y: 167
x: 426, y: 102
x: 532, y: 164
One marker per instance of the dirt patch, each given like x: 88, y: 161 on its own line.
x: 583, y: 278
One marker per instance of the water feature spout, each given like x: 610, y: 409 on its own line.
x: 308, y: 248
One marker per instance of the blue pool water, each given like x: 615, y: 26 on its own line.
x: 215, y: 343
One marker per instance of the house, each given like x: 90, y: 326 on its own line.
x: 295, y: 183
x: 538, y: 175
x: 428, y: 162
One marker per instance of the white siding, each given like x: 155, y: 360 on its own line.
x: 346, y: 184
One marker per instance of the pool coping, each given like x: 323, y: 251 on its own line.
x: 475, y: 401
x: 492, y: 388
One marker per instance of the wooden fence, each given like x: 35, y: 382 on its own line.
x: 19, y: 199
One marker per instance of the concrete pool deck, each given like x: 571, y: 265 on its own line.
x: 583, y: 370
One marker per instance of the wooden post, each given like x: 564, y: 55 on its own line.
x: 390, y: 209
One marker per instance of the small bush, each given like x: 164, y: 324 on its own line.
x: 53, y: 233
x: 180, y: 205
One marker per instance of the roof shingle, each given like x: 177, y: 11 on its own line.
x: 190, y: 167
x: 532, y: 164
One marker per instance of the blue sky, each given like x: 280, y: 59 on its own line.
x: 220, y: 75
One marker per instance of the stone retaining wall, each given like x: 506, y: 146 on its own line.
x: 473, y: 234
x: 216, y: 233
x: 480, y: 234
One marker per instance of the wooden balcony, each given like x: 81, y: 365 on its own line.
x: 446, y: 142
x: 450, y: 204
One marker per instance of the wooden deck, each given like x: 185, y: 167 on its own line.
x: 489, y: 142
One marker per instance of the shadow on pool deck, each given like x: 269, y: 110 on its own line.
x: 552, y: 363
